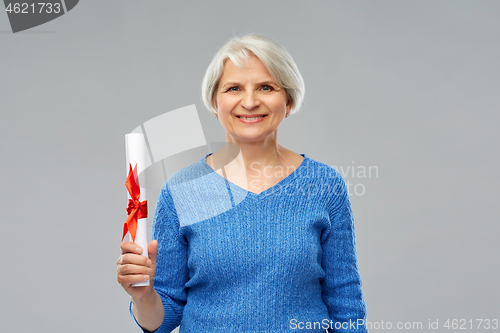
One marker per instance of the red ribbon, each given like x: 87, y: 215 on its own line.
x: 136, y: 209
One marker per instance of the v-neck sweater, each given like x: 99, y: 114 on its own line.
x: 282, y: 260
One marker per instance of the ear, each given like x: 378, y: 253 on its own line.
x: 289, y: 104
x: 215, y: 95
x: 215, y: 103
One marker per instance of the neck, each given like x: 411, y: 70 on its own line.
x: 256, y: 154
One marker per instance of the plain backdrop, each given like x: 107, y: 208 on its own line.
x: 408, y: 88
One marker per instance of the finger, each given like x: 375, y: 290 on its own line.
x: 130, y: 247
x: 134, y: 259
x: 127, y: 280
x: 153, y: 250
x: 132, y: 270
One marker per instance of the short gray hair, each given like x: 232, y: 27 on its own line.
x: 275, y: 57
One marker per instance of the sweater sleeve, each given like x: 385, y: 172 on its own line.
x: 171, y: 263
x: 342, y: 292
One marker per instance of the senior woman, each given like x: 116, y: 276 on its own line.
x: 261, y: 240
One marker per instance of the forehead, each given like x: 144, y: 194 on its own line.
x: 252, y: 69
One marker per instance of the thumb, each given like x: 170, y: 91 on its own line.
x: 152, y: 250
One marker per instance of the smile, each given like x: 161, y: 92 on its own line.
x: 250, y: 118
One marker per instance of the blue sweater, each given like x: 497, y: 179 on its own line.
x: 283, y: 260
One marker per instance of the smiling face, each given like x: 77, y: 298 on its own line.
x: 250, y: 105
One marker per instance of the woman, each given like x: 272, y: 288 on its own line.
x: 261, y: 240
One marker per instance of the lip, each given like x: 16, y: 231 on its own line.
x: 251, y: 121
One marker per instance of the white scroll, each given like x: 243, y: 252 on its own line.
x: 137, y: 157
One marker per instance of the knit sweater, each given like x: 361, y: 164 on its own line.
x: 283, y: 260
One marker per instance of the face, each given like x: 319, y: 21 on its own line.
x: 250, y: 105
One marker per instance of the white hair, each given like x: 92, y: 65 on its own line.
x: 275, y: 57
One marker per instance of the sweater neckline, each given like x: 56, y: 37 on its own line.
x: 282, y: 182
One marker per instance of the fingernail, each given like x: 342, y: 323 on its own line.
x: 138, y: 249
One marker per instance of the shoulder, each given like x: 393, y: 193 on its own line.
x: 320, y: 171
x: 195, y: 184
x: 192, y: 172
x: 184, y: 188
x: 324, y: 179
x: 184, y: 177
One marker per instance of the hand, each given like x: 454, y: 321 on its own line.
x: 133, y: 267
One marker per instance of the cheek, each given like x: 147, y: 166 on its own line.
x: 225, y: 104
x: 278, y: 104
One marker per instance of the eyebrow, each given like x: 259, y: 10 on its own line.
x: 268, y: 82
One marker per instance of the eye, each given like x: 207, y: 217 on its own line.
x: 233, y: 89
x: 267, y: 88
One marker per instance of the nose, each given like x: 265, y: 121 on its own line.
x: 250, y: 101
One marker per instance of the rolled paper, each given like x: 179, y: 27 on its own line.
x: 136, y: 224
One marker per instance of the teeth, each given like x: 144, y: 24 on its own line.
x: 251, y: 118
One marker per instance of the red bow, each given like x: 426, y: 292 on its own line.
x: 136, y: 209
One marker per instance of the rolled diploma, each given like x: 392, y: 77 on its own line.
x: 136, y: 150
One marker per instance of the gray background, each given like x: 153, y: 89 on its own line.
x: 410, y: 87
